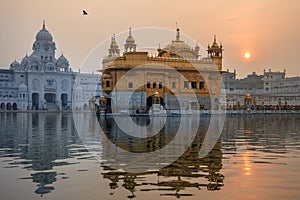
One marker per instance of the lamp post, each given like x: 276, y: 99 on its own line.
x: 247, y: 101
x: 279, y: 104
x: 102, y: 104
x: 227, y: 103
x: 91, y: 102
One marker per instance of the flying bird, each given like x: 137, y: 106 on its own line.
x: 84, y: 12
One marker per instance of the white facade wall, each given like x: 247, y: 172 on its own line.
x: 42, y: 81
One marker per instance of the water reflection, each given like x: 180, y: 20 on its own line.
x: 38, y: 142
x: 267, y: 134
x: 188, y: 171
x: 261, y: 148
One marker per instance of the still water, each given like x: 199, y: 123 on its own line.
x: 43, y: 156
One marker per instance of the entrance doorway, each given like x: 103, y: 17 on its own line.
x: 2, y: 106
x: 35, y: 101
x: 15, y: 106
x: 64, y: 101
x: 150, y: 102
x: 50, y: 97
x: 8, y: 106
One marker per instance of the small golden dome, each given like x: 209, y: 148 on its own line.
x: 248, y: 96
x: 102, y: 98
x: 214, y: 45
x: 106, y: 76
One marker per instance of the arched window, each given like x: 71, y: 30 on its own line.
x: 107, y: 84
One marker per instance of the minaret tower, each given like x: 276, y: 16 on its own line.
x: 114, y: 48
x: 215, y: 52
x: 44, y: 47
x: 130, y: 45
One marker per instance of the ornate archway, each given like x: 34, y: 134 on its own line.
x: 15, y: 106
x: 64, y: 100
x: 2, y: 106
x: 50, y: 97
x: 35, y: 101
x: 149, y: 101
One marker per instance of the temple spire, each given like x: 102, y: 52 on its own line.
x: 114, y: 48
x: 44, y: 24
x: 130, y: 45
x: 178, y: 32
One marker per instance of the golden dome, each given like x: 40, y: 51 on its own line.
x: 181, y: 48
x: 106, y: 76
x: 102, y: 97
x: 215, y: 45
x: 248, y: 96
x: 177, y: 45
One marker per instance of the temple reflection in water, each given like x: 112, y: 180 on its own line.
x: 44, y: 144
x: 188, y: 171
x: 38, y: 142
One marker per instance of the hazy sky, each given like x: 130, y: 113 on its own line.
x: 268, y: 28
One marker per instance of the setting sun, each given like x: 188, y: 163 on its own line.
x: 247, y: 55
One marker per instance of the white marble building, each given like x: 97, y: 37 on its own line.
x: 270, y: 88
x: 42, y: 81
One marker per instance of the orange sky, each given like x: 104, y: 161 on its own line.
x: 268, y: 28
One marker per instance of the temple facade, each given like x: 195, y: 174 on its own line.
x: 175, y: 75
x: 43, y: 81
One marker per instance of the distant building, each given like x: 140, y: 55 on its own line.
x: 87, y: 87
x: 42, y: 81
x: 271, y: 88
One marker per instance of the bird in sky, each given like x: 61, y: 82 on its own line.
x: 84, y: 12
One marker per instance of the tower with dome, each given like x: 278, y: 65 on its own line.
x: 42, y: 80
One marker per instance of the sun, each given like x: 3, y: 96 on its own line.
x: 247, y: 55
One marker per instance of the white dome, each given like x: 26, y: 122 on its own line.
x: 114, y: 45
x: 43, y: 35
x: 25, y: 60
x: 15, y: 64
x: 130, y: 40
x: 178, y: 45
x: 62, y: 59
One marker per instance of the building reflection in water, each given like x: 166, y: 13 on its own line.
x: 188, y: 171
x: 42, y: 142
x: 38, y: 142
x: 261, y: 139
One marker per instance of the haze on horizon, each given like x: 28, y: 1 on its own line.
x: 267, y: 28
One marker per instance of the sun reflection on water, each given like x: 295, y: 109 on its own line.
x: 247, y: 166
